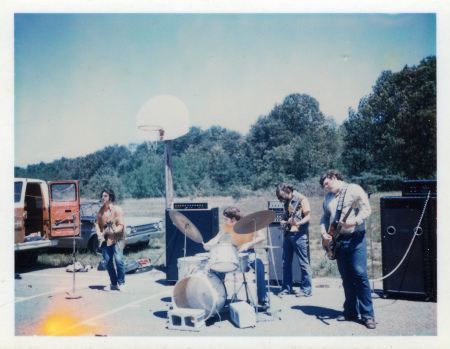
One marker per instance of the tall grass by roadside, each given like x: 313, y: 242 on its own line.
x: 155, y: 207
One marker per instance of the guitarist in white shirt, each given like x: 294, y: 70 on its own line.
x: 351, y: 255
x: 295, y: 223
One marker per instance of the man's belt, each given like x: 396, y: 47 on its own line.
x: 347, y: 235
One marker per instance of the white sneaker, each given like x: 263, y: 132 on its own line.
x: 122, y: 288
x: 114, y: 287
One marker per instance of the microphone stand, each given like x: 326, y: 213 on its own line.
x: 73, y: 296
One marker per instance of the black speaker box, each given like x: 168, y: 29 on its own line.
x: 207, y: 223
x: 276, y: 273
x: 417, y: 274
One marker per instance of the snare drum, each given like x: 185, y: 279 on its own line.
x: 190, y: 265
x: 223, y: 258
x: 202, y: 290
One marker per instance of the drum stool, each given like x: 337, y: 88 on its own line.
x: 185, y: 319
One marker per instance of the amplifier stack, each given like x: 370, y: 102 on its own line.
x: 206, y: 221
x: 417, y: 274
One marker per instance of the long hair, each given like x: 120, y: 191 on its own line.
x: 329, y: 174
x: 285, y: 187
x: 233, y: 212
x: 110, y: 192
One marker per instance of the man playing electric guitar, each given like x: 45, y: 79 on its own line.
x: 295, y: 224
x: 352, y: 256
x: 112, y: 249
x: 332, y: 248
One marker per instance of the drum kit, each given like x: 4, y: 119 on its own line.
x: 201, y: 281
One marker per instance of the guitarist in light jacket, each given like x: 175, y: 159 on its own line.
x: 351, y: 255
x: 295, y: 223
x: 111, y: 235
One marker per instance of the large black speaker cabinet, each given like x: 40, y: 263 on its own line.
x: 276, y: 272
x: 207, y: 223
x: 417, y: 275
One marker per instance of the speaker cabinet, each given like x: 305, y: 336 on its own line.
x: 207, y: 223
x: 416, y: 275
x: 276, y: 273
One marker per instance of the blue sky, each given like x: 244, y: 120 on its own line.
x: 80, y: 79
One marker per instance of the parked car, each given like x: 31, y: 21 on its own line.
x: 138, y: 230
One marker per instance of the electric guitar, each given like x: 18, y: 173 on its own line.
x: 288, y: 226
x: 101, y: 237
x: 335, y: 232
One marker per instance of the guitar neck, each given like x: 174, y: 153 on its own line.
x: 295, y: 208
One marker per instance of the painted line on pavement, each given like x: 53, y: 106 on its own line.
x: 132, y: 304
x: 58, y: 291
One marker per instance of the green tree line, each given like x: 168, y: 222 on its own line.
x: 391, y: 137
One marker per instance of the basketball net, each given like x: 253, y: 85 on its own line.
x: 152, y: 134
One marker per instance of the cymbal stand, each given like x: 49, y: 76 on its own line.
x: 74, y: 258
x: 185, y: 239
x: 256, y: 272
x: 269, y: 310
x: 247, y: 293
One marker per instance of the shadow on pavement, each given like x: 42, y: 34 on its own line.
x: 320, y: 313
x: 164, y: 282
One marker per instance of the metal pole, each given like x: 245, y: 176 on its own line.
x: 74, y: 259
x: 168, y: 168
x: 371, y: 247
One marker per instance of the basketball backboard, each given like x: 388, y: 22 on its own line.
x: 162, y: 118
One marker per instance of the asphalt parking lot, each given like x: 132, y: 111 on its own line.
x: 43, y: 308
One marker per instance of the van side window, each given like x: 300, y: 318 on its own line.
x: 17, y: 191
x: 64, y: 192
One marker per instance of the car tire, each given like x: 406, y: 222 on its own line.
x: 144, y: 245
x: 26, y: 259
x: 93, y: 245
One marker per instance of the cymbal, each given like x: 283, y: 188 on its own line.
x: 186, y: 226
x: 254, y: 221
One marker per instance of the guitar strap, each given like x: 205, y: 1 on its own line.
x: 299, y: 207
x: 340, y: 202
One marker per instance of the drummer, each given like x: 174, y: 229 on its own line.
x: 244, y: 243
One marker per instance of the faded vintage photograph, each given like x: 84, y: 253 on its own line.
x: 241, y: 176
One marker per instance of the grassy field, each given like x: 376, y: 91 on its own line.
x: 320, y: 265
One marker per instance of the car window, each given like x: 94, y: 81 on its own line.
x: 64, y: 192
x: 17, y: 191
x: 89, y: 210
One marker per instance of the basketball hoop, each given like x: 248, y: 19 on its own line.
x: 152, y: 134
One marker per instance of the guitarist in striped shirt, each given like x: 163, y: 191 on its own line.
x: 295, y: 224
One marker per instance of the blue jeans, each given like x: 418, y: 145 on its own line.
x: 258, y: 266
x: 352, y: 264
x: 117, y: 252
x: 296, y: 243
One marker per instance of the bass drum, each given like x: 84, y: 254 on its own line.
x: 202, y: 290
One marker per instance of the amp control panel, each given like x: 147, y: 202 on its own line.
x: 277, y: 207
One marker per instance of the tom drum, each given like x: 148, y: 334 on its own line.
x: 223, y: 257
x: 190, y: 265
